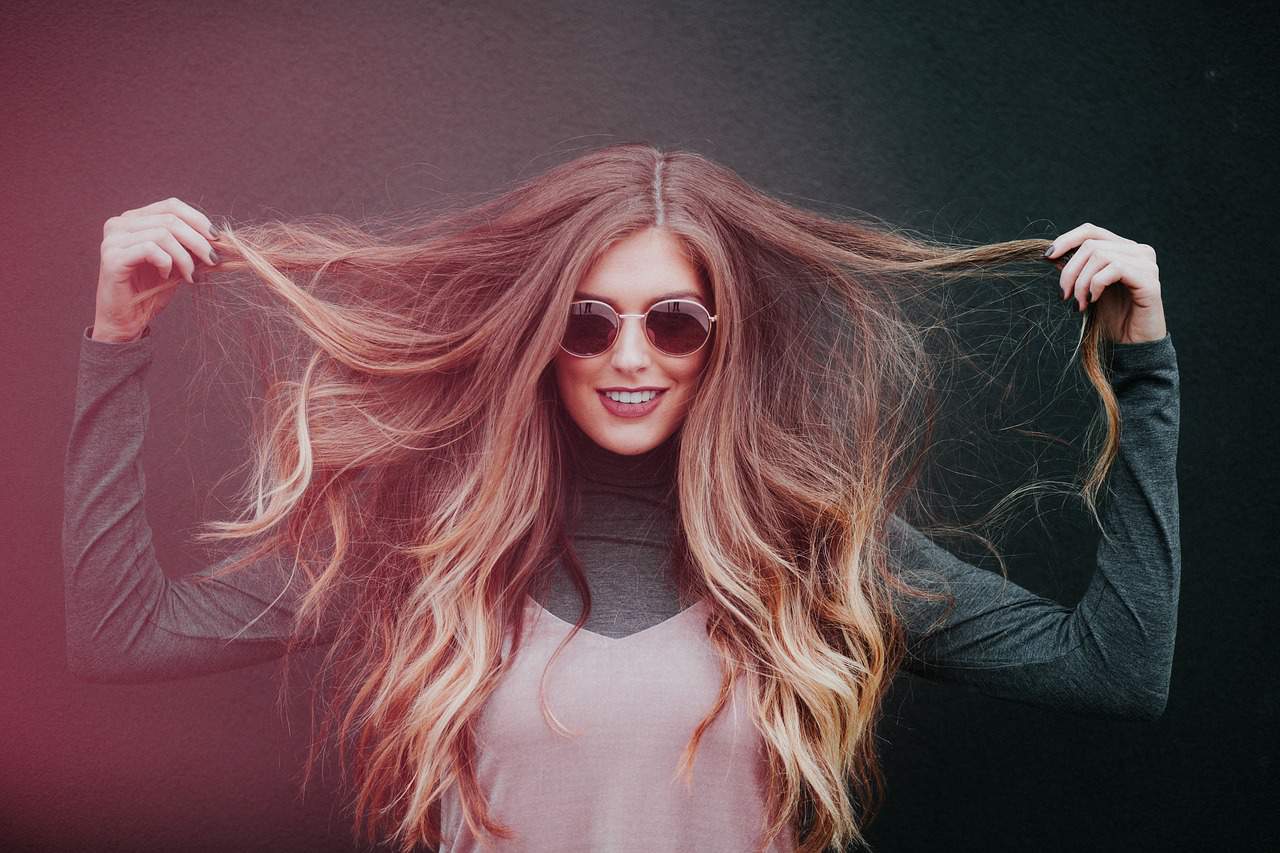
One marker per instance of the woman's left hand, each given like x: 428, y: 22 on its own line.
x: 1129, y: 314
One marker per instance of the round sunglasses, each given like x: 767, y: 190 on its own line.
x: 676, y: 327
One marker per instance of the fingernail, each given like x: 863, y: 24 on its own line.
x: 214, y: 232
x: 213, y: 256
x: 1048, y: 251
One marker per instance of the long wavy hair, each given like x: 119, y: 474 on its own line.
x: 410, y: 457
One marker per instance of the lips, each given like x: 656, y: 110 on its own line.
x: 630, y: 410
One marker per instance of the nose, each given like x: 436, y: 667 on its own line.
x: 631, y: 350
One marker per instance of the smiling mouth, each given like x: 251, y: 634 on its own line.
x: 630, y: 410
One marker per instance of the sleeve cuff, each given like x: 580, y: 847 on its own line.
x: 1143, y: 356
x: 136, y: 351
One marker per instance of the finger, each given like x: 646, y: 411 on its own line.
x: 149, y: 252
x: 1132, y: 249
x: 192, y: 239
x: 1080, y: 288
x: 1071, y: 270
x: 146, y: 252
x: 1076, y: 236
x: 180, y: 208
x: 1128, y: 248
x: 165, y: 240
x: 1103, y: 279
x: 195, y: 217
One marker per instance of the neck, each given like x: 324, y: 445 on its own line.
x: 654, y: 467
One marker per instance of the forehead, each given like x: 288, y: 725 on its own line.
x: 642, y: 269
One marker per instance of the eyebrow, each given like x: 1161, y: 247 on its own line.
x: 676, y: 294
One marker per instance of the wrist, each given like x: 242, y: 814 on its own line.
x: 1144, y: 328
x: 109, y: 335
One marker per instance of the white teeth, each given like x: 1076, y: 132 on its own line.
x: 631, y: 396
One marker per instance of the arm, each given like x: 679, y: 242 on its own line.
x: 126, y: 620
x: 1111, y: 655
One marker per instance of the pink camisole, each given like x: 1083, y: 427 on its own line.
x: 633, y: 701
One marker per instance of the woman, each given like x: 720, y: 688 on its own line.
x: 637, y: 415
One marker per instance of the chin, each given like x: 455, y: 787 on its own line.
x: 632, y: 446
x: 629, y: 439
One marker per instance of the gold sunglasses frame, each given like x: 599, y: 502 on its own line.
x: 623, y: 317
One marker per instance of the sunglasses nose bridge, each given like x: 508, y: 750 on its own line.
x: 621, y: 346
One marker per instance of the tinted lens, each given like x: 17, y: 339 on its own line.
x: 678, y: 327
x: 591, y: 328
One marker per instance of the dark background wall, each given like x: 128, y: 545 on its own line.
x: 987, y: 120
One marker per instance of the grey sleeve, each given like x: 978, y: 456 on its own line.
x: 126, y: 620
x: 1111, y: 654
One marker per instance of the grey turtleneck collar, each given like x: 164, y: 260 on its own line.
x: 627, y: 511
x: 596, y: 464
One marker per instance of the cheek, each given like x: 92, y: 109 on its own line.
x: 572, y: 375
x: 689, y: 372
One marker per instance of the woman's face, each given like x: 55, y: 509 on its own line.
x: 633, y: 274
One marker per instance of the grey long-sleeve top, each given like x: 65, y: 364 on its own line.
x: 127, y: 620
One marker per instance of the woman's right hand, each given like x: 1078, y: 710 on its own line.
x: 144, y: 249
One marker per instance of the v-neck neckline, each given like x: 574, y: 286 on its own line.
x: 643, y: 632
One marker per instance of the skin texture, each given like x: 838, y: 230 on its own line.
x: 631, y: 275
